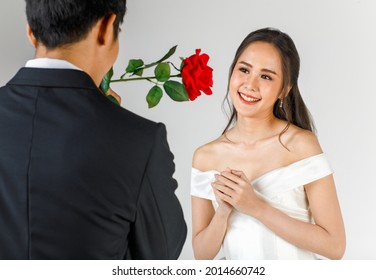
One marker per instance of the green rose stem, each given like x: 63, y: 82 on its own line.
x: 141, y: 78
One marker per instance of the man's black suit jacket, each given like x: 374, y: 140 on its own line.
x: 80, y: 177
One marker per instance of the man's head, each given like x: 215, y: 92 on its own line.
x: 56, y: 23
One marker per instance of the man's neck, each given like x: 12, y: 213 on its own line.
x: 77, y: 54
x: 70, y: 54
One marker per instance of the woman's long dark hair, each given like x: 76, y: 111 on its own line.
x: 293, y: 109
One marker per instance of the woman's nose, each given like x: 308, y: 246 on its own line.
x: 251, y: 82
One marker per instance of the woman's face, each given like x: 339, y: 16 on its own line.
x: 256, y: 81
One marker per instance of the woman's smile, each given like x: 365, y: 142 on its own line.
x: 248, y: 99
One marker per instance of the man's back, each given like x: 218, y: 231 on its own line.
x: 80, y: 176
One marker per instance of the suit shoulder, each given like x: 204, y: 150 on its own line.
x: 137, y: 118
x: 136, y: 122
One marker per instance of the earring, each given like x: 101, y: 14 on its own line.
x: 281, y: 103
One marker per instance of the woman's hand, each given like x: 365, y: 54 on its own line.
x: 223, y: 207
x: 233, y: 187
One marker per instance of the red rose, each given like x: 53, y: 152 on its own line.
x: 197, y: 75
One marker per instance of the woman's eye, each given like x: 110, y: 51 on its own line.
x: 266, y: 77
x: 244, y: 70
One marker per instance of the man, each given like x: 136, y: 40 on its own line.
x: 80, y: 177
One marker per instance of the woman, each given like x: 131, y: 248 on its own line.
x: 264, y: 188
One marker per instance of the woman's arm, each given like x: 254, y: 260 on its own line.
x: 208, y: 228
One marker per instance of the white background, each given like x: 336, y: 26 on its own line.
x: 336, y: 40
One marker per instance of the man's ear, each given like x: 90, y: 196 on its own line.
x: 31, y: 36
x: 106, y: 30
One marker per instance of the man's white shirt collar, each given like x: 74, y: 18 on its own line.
x: 50, y: 63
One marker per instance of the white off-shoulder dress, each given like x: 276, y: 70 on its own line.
x: 283, y: 188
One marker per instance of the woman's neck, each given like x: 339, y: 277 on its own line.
x: 252, y: 130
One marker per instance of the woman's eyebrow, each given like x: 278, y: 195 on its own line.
x: 264, y: 69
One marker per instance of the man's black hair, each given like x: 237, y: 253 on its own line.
x: 56, y: 23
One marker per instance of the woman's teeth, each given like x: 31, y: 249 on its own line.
x: 248, y: 98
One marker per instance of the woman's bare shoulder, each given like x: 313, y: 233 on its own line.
x: 206, y: 156
x: 303, y: 143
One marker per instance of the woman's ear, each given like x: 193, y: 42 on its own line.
x: 31, y: 36
x: 106, y: 32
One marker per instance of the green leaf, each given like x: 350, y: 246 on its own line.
x: 176, y: 91
x: 133, y: 65
x: 105, y: 84
x: 139, y: 72
x: 162, y: 72
x: 113, y: 99
x: 169, y: 53
x: 154, y: 96
x: 166, y: 56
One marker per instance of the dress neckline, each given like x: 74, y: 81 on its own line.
x: 278, y: 169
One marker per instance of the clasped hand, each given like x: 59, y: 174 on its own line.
x: 233, y: 189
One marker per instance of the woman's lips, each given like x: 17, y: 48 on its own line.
x: 249, y: 99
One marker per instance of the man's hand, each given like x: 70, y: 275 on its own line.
x: 114, y: 94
